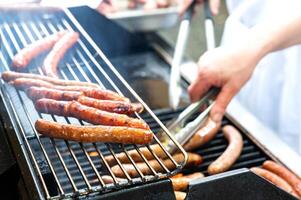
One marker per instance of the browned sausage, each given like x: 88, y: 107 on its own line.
x: 120, y: 107
x: 231, y: 154
x: 203, y: 135
x: 177, y: 175
x: 91, y: 115
x: 23, y: 58
x: 274, y: 179
x: 57, y: 53
x: 98, y: 133
x: 108, y: 179
x: 193, y: 160
x: 10, y: 76
x: 181, y: 183
x: 36, y: 93
x: 136, y: 156
x: 180, y: 195
x: 96, y: 93
x: 284, y: 173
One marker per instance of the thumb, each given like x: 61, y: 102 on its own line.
x: 221, y: 103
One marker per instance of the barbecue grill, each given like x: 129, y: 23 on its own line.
x: 53, y: 168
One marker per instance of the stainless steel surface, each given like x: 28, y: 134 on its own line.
x: 64, y: 158
x: 145, y: 21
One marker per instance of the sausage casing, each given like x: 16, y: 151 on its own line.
x: 36, y: 93
x: 181, y: 183
x: 231, y: 154
x: 98, y: 133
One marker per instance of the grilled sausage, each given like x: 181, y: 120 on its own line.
x: 96, y: 93
x: 203, y: 135
x: 108, y: 179
x: 91, y: 115
x: 136, y: 156
x: 57, y: 53
x: 116, y: 134
x: 274, y: 179
x: 36, y: 93
x: 284, y: 173
x: 180, y: 195
x: 120, y: 107
x: 181, y: 183
x: 193, y: 160
x: 231, y: 154
x: 10, y: 76
x: 23, y: 58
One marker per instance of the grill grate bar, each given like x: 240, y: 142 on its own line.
x: 8, y: 30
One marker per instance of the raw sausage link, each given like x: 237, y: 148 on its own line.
x: 91, y: 115
x: 96, y: 93
x: 36, y: 93
x: 10, y: 76
x: 284, y: 173
x: 193, y: 160
x: 181, y: 183
x: 231, y: 154
x: 111, y: 106
x: 98, y: 133
x: 57, y: 53
x: 136, y: 156
x: 274, y: 179
x: 203, y: 135
x: 23, y: 58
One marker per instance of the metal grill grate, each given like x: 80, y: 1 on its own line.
x: 66, y: 168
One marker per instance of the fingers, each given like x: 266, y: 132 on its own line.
x: 214, y: 6
x: 200, y: 86
x: 183, y: 6
x: 221, y: 102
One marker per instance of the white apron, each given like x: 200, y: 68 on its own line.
x: 273, y: 94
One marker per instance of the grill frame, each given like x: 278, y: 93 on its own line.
x: 23, y: 139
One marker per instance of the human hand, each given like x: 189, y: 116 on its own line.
x: 226, y: 68
x: 213, y: 5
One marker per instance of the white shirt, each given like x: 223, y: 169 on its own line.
x: 273, y: 94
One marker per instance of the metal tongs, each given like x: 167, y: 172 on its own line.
x: 175, y: 88
x: 179, y: 127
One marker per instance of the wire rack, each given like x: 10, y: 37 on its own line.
x: 64, y: 169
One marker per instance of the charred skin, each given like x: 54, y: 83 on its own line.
x: 36, y: 93
x: 9, y: 76
x: 231, y: 154
x: 274, y: 179
x: 96, y: 93
x: 96, y: 116
x: 193, y: 160
x: 116, y: 134
x: 58, y: 51
x: 88, y: 114
x: 284, y: 173
x: 111, y: 106
x: 205, y: 134
x: 23, y: 58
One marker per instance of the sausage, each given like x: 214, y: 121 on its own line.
x: 108, y: 179
x: 57, y: 53
x: 96, y: 93
x: 10, y: 76
x: 193, y: 160
x: 23, y: 58
x: 284, y: 173
x: 177, y: 175
x: 180, y: 195
x: 115, y: 134
x: 181, y: 183
x: 274, y: 179
x: 120, y: 107
x: 231, y: 154
x: 36, y: 93
x: 91, y: 115
x: 136, y: 156
x: 203, y: 135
